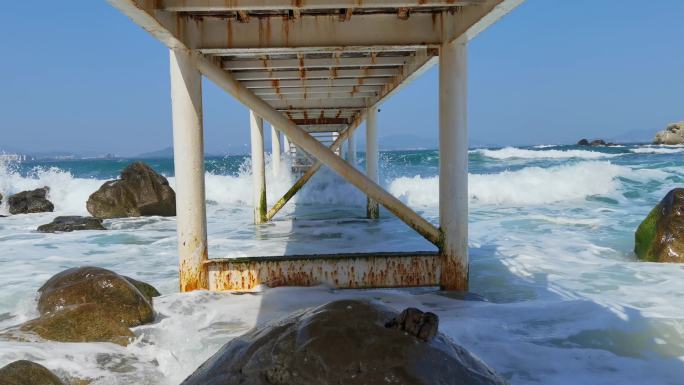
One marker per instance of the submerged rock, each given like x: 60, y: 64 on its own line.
x: 27, y: 373
x: 342, y: 342
x: 72, y: 223
x: 660, y: 237
x: 91, y: 304
x: 139, y: 192
x: 673, y: 134
x: 34, y: 201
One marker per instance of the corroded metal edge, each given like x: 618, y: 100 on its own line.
x: 367, y: 270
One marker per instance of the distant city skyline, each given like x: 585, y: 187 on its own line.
x: 81, y: 78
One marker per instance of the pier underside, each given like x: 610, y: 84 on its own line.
x: 315, y: 70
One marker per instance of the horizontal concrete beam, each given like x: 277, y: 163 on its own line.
x: 332, y: 95
x: 256, y: 5
x: 317, y: 104
x: 317, y: 74
x: 253, y: 52
x: 350, y: 271
x: 316, y: 90
x: 339, y: 62
x: 350, y: 82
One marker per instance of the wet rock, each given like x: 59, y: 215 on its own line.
x: 594, y: 143
x: 673, y: 134
x: 81, y: 323
x: 583, y: 142
x: 27, y: 373
x: 660, y: 237
x: 34, y: 201
x: 144, y: 288
x: 72, y: 223
x: 139, y: 192
x: 90, y: 304
x: 342, y: 342
x: 416, y: 323
x: 1, y: 198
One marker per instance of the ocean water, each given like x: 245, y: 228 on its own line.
x: 551, y: 239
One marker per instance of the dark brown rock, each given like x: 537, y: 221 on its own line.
x: 660, y: 237
x: 80, y: 323
x: 583, y: 142
x: 27, y: 373
x: 342, y: 342
x: 116, y: 295
x: 71, y: 223
x: 27, y: 202
x: 91, y: 304
x: 140, y: 192
x: 416, y: 323
x: 144, y: 288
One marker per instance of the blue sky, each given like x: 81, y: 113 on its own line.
x: 78, y: 76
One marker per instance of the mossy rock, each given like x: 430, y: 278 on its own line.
x: 117, y: 298
x: 80, y: 323
x: 660, y: 237
x: 91, y: 304
x: 27, y: 373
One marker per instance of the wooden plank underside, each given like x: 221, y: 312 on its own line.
x: 350, y: 271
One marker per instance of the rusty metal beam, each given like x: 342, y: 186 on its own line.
x: 339, y: 62
x: 252, y: 52
x: 282, y: 5
x: 279, y: 84
x: 316, y: 90
x: 335, y: 95
x: 317, y: 74
x: 319, y: 121
x: 351, y: 271
x: 317, y: 104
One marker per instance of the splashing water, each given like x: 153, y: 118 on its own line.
x: 551, y: 238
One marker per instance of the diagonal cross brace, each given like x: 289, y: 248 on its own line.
x: 302, y: 138
x: 280, y: 203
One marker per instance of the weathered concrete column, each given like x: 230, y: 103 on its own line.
x: 286, y: 145
x: 275, y: 150
x: 188, y: 155
x: 351, y: 147
x: 256, y: 124
x: 372, y: 154
x: 453, y: 164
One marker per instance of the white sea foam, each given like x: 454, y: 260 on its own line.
x: 521, y: 153
x: 530, y: 185
x: 657, y: 150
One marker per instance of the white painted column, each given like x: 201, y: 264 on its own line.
x: 351, y: 147
x: 188, y: 156
x: 453, y: 164
x: 256, y: 124
x: 372, y: 154
x: 275, y: 150
x: 286, y: 145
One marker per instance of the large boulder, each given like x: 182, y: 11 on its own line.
x: 34, y: 201
x: 673, y: 134
x: 342, y: 342
x: 660, y: 237
x: 139, y: 192
x: 27, y: 373
x: 71, y: 223
x: 90, y: 304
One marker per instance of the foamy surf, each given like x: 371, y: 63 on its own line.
x: 550, y: 247
x: 522, y: 153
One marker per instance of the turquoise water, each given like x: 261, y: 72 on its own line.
x: 551, y: 239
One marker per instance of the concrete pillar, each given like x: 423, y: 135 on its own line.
x: 453, y: 164
x: 372, y: 154
x: 275, y: 150
x: 256, y: 124
x: 188, y: 155
x: 286, y: 145
x: 351, y: 147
